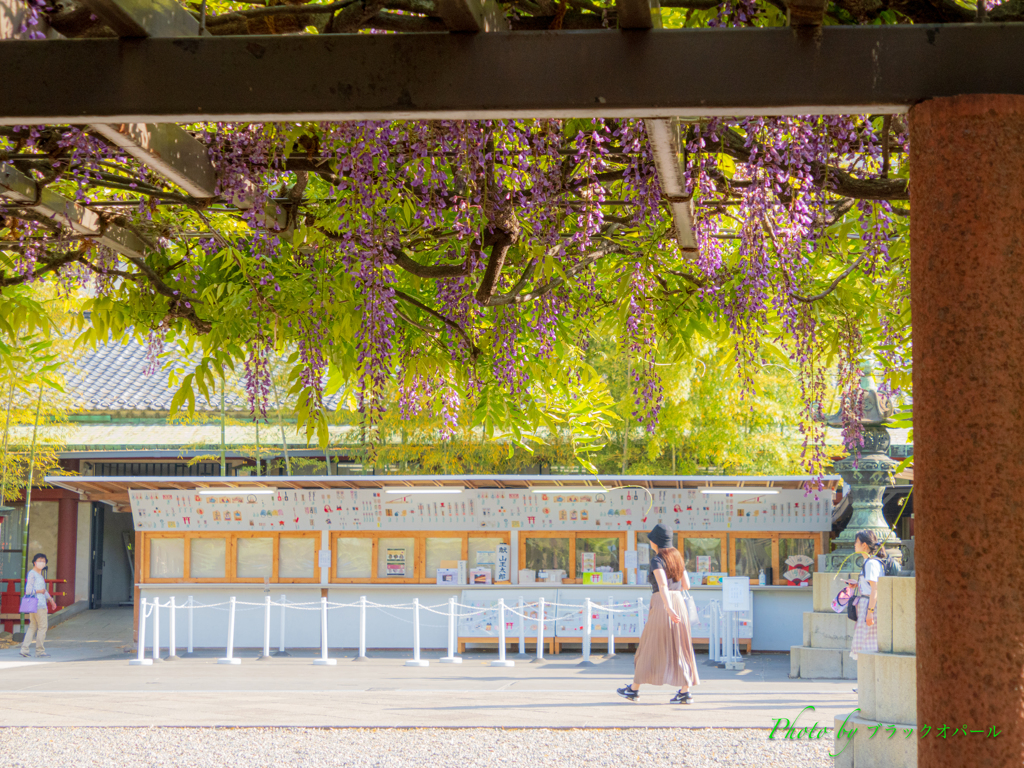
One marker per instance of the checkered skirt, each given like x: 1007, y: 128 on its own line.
x: 865, y: 638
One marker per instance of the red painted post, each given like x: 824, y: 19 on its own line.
x: 967, y: 298
x: 67, y: 548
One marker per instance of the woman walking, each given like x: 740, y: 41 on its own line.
x: 865, y: 634
x: 35, y: 584
x: 665, y: 654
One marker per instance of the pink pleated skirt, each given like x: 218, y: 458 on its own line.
x: 665, y: 655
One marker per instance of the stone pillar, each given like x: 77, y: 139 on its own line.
x: 67, y: 547
x: 967, y: 297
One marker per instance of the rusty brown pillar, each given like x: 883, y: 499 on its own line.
x: 67, y: 547
x: 967, y: 297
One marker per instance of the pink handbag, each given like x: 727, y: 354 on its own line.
x: 841, y: 600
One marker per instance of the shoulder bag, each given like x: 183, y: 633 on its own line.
x: 29, y: 604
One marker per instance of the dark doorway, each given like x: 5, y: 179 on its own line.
x: 113, y: 547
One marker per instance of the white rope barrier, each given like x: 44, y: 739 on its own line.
x: 230, y: 657
x: 142, y: 660
x: 323, y: 661
x: 723, y: 634
x: 416, y: 661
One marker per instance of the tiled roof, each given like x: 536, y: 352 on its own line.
x: 113, y: 378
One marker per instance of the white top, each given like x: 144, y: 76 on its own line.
x: 872, y: 572
x: 33, y: 584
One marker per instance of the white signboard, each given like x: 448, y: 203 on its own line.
x: 735, y: 593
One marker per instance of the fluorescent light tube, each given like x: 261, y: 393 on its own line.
x: 408, y: 491
x: 747, y: 491
x: 236, y: 491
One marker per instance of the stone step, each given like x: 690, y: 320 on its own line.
x: 887, y: 687
x: 864, y: 750
x: 821, y: 663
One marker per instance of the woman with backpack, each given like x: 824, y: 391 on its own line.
x: 865, y: 635
x: 665, y: 654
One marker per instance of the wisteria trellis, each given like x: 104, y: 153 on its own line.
x: 469, y: 262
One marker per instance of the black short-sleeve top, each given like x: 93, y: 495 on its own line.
x: 658, y: 562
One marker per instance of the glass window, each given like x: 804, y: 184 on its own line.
x: 167, y: 558
x: 296, y: 557
x: 396, y: 558
x: 605, y: 549
x: 208, y: 558
x: 441, y: 549
x: 254, y: 557
x: 355, y: 558
x: 644, y: 551
x: 752, y: 555
x: 488, y: 546
x: 704, y: 548
x: 796, y: 561
x: 543, y: 554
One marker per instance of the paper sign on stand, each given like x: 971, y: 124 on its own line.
x: 735, y: 593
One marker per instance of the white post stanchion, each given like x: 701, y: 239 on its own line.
x: 156, y: 630
x: 141, y: 661
x: 640, y: 614
x: 522, y: 629
x: 451, y: 658
x: 323, y: 661
x: 416, y: 661
x: 266, y: 631
x: 712, y: 631
x: 611, y: 630
x: 540, y: 630
x: 362, y: 630
x: 190, y: 604
x: 280, y: 645
x: 172, y: 642
x: 230, y: 658
x: 587, y: 630
x: 502, y: 661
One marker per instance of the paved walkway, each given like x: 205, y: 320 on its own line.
x: 89, y: 682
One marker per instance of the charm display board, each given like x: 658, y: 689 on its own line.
x: 480, y: 509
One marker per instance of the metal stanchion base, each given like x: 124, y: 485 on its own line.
x: 264, y: 658
x: 415, y: 663
x: 140, y: 663
x: 361, y: 658
x: 537, y: 661
x: 587, y: 663
x: 229, y: 661
x: 500, y: 663
x: 280, y: 653
x: 326, y: 662
x: 157, y: 660
x: 448, y: 660
x: 608, y: 656
x: 172, y: 658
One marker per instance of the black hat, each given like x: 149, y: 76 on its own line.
x: 660, y: 536
x: 39, y: 555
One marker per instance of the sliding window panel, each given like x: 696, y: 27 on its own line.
x: 353, y: 558
x: 296, y: 558
x: 254, y: 558
x: 396, y: 559
x: 166, y: 558
x: 208, y: 557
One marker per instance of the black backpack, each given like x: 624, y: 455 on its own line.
x: 890, y: 567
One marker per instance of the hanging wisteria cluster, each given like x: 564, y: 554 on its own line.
x: 439, y: 265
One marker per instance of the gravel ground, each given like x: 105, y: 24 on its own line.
x: 397, y: 748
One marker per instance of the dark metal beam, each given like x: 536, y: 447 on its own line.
x: 656, y: 73
x: 145, y: 18
x: 472, y: 15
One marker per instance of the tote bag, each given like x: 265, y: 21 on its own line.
x: 29, y: 604
x: 691, y: 607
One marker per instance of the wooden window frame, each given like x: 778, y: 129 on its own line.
x: 234, y: 577
x: 722, y: 536
x: 147, y: 537
x: 572, y: 577
x: 820, y: 543
x: 229, y: 556
x: 420, y: 552
x: 315, y: 578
